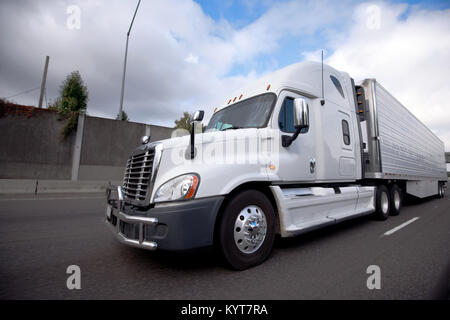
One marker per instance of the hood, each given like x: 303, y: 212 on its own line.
x: 209, y: 138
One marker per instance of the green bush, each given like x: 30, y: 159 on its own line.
x: 72, y: 102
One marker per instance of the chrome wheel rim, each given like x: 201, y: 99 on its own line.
x: 250, y: 229
x: 397, y: 199
x: 384, y: 202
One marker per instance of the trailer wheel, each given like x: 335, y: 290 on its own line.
x: 441, y: 190
x: 246, y: 230
x: 382, y: 203
x: 395, y: 199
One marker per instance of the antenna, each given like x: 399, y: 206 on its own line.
x: 322, y: 102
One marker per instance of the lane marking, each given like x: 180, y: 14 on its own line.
x: 387, y: 233
x: 65, y: 198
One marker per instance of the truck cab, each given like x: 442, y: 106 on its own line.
x: 281, y: 157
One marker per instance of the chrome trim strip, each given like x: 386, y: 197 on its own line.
x: 373, y: 144
x: 381, y: 175
x: 156, y: 163
x: 135, y: 219
x: 377, y: 129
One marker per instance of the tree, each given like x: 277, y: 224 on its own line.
x: 72, y: 101
x: 184, y: 122
x: 124, y: 116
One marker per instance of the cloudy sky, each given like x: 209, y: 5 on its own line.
x: 185, y: 55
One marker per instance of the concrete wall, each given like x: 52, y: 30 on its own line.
x: 107, y: 145
x: 33, y: 148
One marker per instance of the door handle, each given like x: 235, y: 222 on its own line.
x: 312, y: 165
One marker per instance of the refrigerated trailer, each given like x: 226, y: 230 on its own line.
x: 302, y: 148
x: 398, y: 146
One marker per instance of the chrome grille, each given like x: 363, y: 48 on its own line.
x: 138, y: 174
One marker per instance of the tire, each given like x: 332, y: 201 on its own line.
x: 246, y: 211
x: 396, y: 200
x: 441, y: 190
x: 382, y: 203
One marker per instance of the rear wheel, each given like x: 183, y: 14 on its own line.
x: 441, y: 190
x: 382, y: 203
x: 246, y: 230
x: 395, y: 199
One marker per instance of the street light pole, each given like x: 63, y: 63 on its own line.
x: 44, y: 80
x: 125, y: 63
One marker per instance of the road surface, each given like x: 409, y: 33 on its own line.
x: 40, y: 236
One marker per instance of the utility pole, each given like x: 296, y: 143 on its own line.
x: 44, y: 80
x: 125, y: 63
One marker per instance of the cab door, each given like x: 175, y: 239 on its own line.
x: 337, y: 141
x: 296, y: 163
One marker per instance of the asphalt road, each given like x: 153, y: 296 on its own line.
x: 41, y: 236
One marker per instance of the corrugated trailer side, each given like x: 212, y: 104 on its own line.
x: 405, y: 148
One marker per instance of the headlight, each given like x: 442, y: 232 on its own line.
x: 179, y: 188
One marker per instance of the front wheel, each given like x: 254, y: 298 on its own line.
x: 246, y: 230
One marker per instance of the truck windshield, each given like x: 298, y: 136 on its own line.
x: 250, y: 113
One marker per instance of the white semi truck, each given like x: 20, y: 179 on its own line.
x: 302, y: 148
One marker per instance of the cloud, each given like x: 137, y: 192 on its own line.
x: 180, y: 59
x: 160, y: 85
x: 407, y: 49
x: 191, y: 59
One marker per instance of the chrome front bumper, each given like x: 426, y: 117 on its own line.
x: 115, y: 219
x: 140, y: 243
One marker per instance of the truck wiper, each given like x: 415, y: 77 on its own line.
x: 231, y: 128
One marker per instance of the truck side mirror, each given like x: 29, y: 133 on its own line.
x: 198, y: 115
x: 145, y: 139
x: 301, y: 121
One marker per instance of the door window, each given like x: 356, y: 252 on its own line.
x: 338, y: 85
x: 286, y: 117
x: 346, y: 132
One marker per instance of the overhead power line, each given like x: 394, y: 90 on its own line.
x: 23, y: 92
